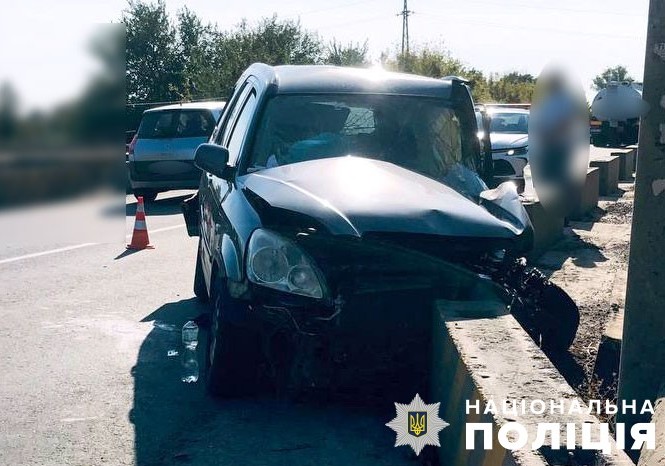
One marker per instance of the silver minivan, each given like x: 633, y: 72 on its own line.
x: 161, y: 155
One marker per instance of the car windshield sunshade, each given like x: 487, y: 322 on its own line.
x: 421, y: 134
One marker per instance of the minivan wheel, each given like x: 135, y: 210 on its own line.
x: 233, y: 351
x: 148, y: 196
x: 200, y: 290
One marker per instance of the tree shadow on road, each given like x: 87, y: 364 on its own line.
x: 163, y: 405
x: 177, y: 423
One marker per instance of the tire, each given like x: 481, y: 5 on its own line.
x: 200, y: 289
x: 560, y: 317
x: 232, y: 359
x: 148, y: 196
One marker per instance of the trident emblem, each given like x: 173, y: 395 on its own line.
x: 417, y: 423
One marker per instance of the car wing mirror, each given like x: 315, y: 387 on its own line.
x: 212, y: 158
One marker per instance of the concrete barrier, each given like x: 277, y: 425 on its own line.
x: 606, y: 367
x: 633, y: 148
x: 609, y: 173
x: 481, y: 353
x: 27, y: 177
x: 589, y: 195
x: 547, y: 228
x: 626, y: 163
x: 656, y: 457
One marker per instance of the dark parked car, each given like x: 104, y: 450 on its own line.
x: 335, y: 205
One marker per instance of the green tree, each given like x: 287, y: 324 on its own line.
x: 617, y: 73
x: 281, y: 42
x: 437, y: 62
x: 478, y: 84
x: 154, y: 69
x: 511, y: 88
x: 273, y: 41
x: 346, y: 55
x: 432, y: 61
x: 195, y: 42
x: 187, y: 59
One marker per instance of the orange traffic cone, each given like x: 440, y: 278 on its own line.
x: 140, y: 238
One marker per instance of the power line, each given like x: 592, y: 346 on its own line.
x: 523, y: 27
x: 336, y: 7
x: 598, y: 11
x: 405, y: 13
x: 346, y: 24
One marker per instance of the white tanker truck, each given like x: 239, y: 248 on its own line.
x: 615, y: 114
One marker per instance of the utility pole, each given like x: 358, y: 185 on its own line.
x: 642, y: 370
x: 405, y: 13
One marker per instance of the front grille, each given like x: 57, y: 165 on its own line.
x: 520, y: 151
x: 385, y: 262
x: 515, y: 151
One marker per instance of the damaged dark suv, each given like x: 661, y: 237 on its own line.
x: 336, y: 205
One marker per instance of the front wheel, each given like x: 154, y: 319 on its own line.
x: 561, y: 318
x: 200, y: 289
x: 552, y: 319
x: 233, y: 351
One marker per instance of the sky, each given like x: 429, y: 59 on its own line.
x: 43, y: 51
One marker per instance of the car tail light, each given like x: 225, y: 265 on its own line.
x: 130, y: 149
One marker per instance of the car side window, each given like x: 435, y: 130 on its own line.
x: 229, y: 123
x: 234, y: 144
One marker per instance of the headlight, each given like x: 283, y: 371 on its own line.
x: 276, y: 262
x: 518, y: 151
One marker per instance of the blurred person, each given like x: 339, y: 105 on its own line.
x: 558, y: 147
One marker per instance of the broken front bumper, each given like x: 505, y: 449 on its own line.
x: 375, y: 324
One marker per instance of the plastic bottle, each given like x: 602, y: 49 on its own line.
x: 190, y: 363
x: 529, y: 193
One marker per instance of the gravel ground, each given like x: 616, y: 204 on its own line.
x: 590, y: 262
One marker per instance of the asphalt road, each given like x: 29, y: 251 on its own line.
x: 86, y: 378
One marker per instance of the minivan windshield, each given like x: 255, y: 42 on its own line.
x: 424, y: 135
x: 166, y: 124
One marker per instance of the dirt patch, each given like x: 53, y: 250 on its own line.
x: 619, y: 212
x: 588, y: 263
x: 619, y: 251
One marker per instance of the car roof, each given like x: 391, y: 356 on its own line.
x: 212, y: 105
x: 325, y: 79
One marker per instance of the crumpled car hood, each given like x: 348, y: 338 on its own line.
x: 353, y: 195
x: 508, y: 141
